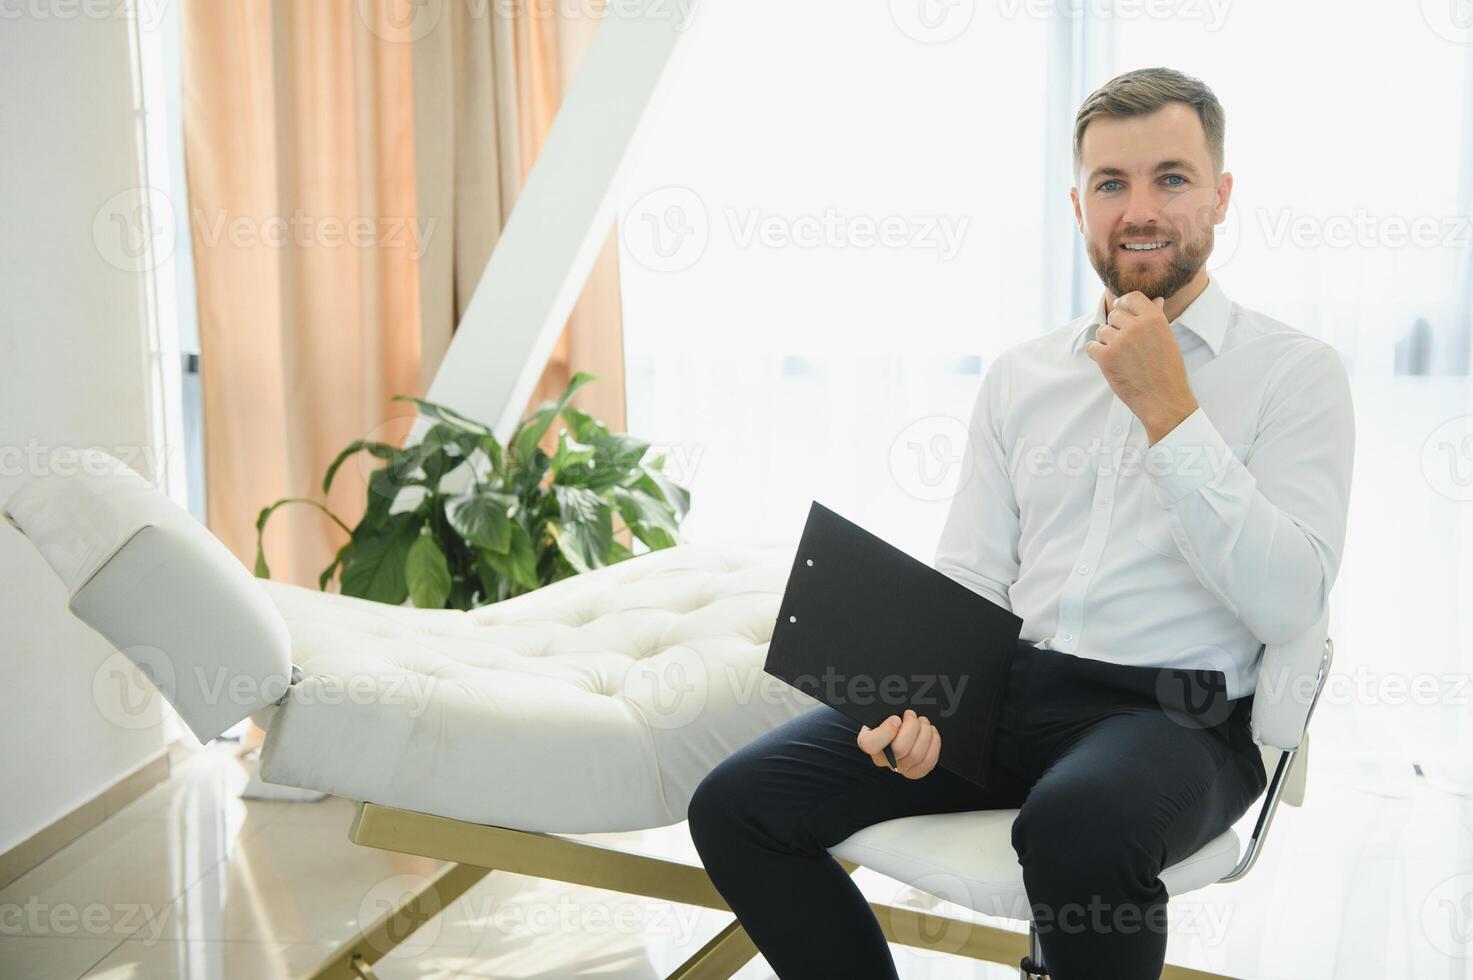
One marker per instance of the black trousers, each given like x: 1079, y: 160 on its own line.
x: 1117, y: 771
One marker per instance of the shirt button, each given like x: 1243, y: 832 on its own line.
x: 1117, y: 428
x: 1103, y: 502
x: 1083, y: 569
x: 1066, y: 636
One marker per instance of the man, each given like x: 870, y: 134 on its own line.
x: 1161, y: 483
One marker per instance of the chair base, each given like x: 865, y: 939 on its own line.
x: 476, y: 849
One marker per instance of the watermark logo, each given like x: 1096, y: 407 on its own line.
x: 123, y: 687
x: 400, y: 21
x: 1447, y: 458
x: 932, y: 21
x: 1451, y: 20
x: 409, y: 931
x: 1447, y: 917
x: 668, y: 229
x: 928, y: 458
x: 669, y: 689
x: 1192, y: 687
x: 134, y: 229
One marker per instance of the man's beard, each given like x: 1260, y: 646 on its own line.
x: 1180, y: 267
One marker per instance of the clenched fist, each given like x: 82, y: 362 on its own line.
x: 1140, y: 358
x: 914, y: 740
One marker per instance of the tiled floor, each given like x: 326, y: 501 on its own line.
x: 1373, y: 878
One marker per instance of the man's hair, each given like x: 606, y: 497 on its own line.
x: 1142, y: 92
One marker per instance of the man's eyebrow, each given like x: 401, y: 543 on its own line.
x: 1164, y: 165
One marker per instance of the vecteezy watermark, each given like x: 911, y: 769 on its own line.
x: 1192, y: 687
x: 932, y: 695
x: 135, y: 230
x: 410, y: 910
x: 928, y: 458
x: 124, y: 685
x: 1043, y: 460
x: 669, y: 229
x: 303, y: 229
x: 142, y: 922
x: 570, y: 915
x: 670, y: 689
x: 407, y: 21
x: 409, y: 906
x: 1211, y: 13
x: 1364, y: 229
x: 36, y: 458
x: 932, y: 21
x: 1447, y: 917
x: 944, y: 904
x: 147, y: 13
x: 1451, y: 20
x: 1447, y: 458
x: 1361, y: 686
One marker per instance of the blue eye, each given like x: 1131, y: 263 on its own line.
x: 1102, y: 186
x: 1178, y: 177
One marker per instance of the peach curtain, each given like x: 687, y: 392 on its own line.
x: 472, y: 163
x: 349, y: 171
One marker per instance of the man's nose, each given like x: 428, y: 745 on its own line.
x: 1142, y: 208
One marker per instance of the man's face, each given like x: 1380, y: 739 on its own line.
x: 1148, y: 179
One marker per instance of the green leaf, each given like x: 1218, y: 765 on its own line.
x: 570, y: 464
x: 380, y: 449
x: 518, y: 565
x: 427, y: 573
x: 373, y: 567
x: 529, y: 433
x: 482, y: 518
x: 492, y: 449
x: 444, y: 413
x: 261, y: 570
x: 584, y: 529
x: 661, y: 487
x: 327, y: 572
x: 450, y: 448
x: 585, y: 427
x: 649, y: 519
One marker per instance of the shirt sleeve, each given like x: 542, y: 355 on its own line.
x: 1265, y: 533
x: 978, y: 546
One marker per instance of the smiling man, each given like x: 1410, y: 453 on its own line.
x: 1157, y: 489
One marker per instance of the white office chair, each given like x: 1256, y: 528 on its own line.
x: 968, y: 858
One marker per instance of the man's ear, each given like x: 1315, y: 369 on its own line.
x: 1224, y: 194
x: 1078, y: 212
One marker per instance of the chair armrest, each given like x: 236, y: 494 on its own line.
x: 1288, y: 684
x: 162, y: 589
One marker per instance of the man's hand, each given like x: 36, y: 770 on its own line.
x: 1140, y: 358
x: 914, y: 740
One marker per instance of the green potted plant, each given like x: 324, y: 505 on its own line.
x: 522, y: 521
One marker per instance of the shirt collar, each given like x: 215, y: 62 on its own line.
x: 1207, y: 317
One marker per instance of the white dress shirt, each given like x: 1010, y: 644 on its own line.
x: 1225, y: 535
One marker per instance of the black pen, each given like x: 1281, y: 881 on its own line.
x: 890, y: 755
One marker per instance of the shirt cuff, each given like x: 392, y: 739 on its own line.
x: 1189, y: 457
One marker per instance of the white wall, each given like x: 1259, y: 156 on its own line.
x: 72, y: 373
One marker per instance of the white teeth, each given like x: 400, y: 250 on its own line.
x: 1143, y: 246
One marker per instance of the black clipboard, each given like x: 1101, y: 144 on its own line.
x: 870, y: 630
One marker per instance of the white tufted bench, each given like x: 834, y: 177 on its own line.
x: 596, y: 703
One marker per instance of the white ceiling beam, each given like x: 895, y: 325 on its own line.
x: 559, y: 222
